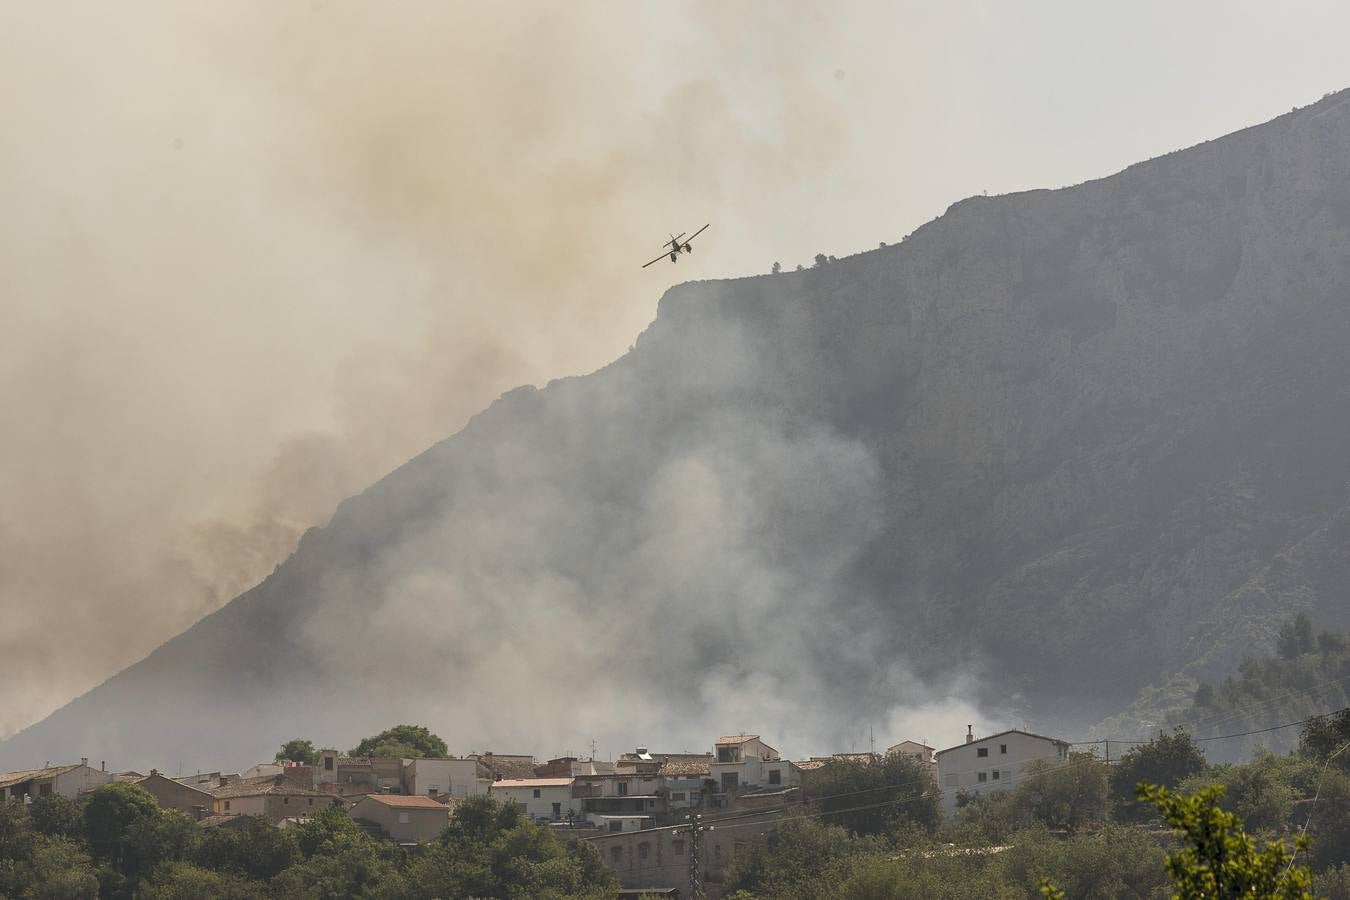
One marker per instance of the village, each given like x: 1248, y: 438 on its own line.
x: 663, y: 822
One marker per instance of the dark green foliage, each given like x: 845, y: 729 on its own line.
x: 1333, y: 884
x: 110, y: 816
x: 300, y: 751
x: 407, y: 741
x: 1295, y: 638
x: 1325, y: 736
x: 1065, y: 796
x: 1167, y: 759
x: 1307, y: 677
x: 57, y: 816
x: 182, y: 881
x: 258, y: 850
x: 871, y: 799
x: 792, y: 854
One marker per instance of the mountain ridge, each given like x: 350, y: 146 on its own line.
x: 1075, y: 393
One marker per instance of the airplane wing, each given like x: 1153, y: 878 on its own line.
x: 697, y: 233
x: 657, y: 260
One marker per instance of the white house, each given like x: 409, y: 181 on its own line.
x: 430, y: 777
x: 743, y: 759
x: 68, y: 781
x: 541, y: 798
x: 919, y: 752
x: 994, y: 763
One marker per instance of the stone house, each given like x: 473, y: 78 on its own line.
x: 404, y: 818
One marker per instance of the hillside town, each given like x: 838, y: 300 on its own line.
x: 668, y: 822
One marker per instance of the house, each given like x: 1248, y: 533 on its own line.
x: 920, y: 752
x: 994, y: 763
x: 658, y: 858
x: 684, y: 776
x: 67, y: 781
x: 405, y: 819
x: 275, y: 797
x: 173, y: 794
x: 541, y: 798
x: 205, y: 781
x: 744, y: 760
x: 432, y: 777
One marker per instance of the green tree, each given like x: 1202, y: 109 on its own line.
x: 1065, y: 796
x: 1167, y: 759
x: 57, y: 816
x: 1295, y: 638
x: 1324, y: 736
x: 408, y: 741
x: 183, y: 881
x: 792, y: 854
x: 257, y: 850
x: 324, y: 831
x: 109, y: 816
x: 298, y: 750
x: 1218, y: 860
x: 868, y: 798
x: 57, y: 868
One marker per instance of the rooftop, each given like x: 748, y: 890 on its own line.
x: 11, y: 778
x: 532, y: 782
x: 1040, y: 737
x: 737, y: 739
x: 403, y: 801
x: 266, y: 785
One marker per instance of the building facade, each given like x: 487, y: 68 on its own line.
x: 995, y: 763
x: 403, y: 818
x: 540, y: 798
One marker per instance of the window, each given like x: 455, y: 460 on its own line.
x: 651, y: 804
x: 982, y: 776
x: 45, y: 790
x: 403, y: 818
x: 1002, y: 748
x: 616, y: 826
x: 557, y: 810
x: 996, y: 774
x: 623, y: 789
x: 328, y: 763
x: 615, y: 852
x: 717, y: 851
x: 536, y: 793
x: 677, y: 796
x: 431, y: 792
x: 286, y: 801
x: 775, y: 776
x: 982, y: 751
x: 311, y: 801
x: 644, y: 850
x: 677, y: 847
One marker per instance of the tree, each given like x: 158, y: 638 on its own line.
x: 57, y: 868
x: 897, y: 790
x: 183, y: 881
x: 777, y: 267
x: 792, y: 854
x: 109, y: 816
x: 300, y: 751
x: 57, y: 816
x: 1065, y: 796
x: 1167, y: 759
x: 258, y: 850
x: 821, y: 259
x: 1295, y: 637
x: 1218, y: 860
x: 408, y: 741
x: 1322, y: 736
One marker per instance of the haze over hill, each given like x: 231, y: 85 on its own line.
x: 1050, y: 450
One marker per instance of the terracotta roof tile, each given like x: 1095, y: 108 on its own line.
x: 404, y: 801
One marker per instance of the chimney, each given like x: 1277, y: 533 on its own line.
x: 84, y: 761
x: 970, y: 734
x: 103, y: 765
x: 154, y: 771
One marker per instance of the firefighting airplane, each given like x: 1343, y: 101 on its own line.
x: 677, y: 246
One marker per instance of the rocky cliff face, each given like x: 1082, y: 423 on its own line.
x: 1048, y: 451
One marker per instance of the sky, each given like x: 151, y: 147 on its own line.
x: 255, y: 255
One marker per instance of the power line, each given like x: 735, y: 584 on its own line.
x: 1221, y: 737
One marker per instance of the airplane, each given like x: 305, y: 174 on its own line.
x: 677, y: 246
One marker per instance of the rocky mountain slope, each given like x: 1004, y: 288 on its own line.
x: 1050, y: 450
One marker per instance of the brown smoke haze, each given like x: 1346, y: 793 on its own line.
x: 253, y: 256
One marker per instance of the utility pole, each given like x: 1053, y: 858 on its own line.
x: 695, y: 874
